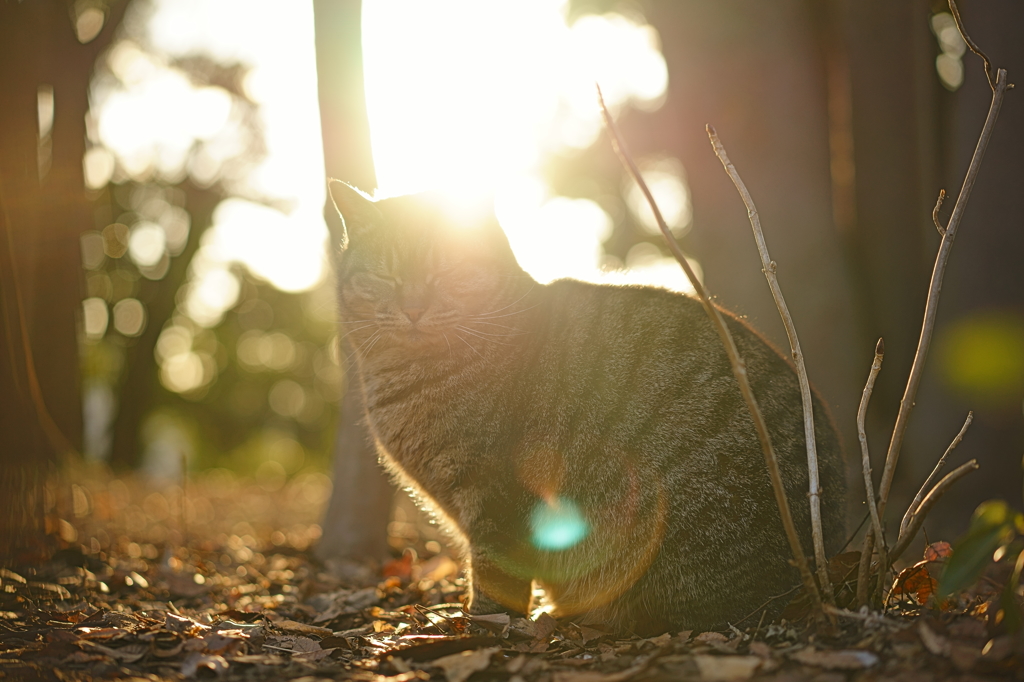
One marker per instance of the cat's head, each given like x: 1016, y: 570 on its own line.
x: 405, y: 272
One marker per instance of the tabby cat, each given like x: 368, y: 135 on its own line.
x: 591, y: 438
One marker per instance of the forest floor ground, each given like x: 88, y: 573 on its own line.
x: 217, y: 582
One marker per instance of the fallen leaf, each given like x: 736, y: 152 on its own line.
x: 498, y: 623
x: 101, y: 633
x: 176, y: 623
x: 915, y: 581
x: 194, y: 661
x: 400, y: 567
x: 761, y: 649
x: 292, y: 643
x: 937, y: 551
x: 312, y: 656
x: 343, y: 602
x: 711, y: 638
x: 726, y: 668
x: 295, y: 626
x: 458, y: 667
x: 847, y: 659
x: 222, y: 643
x: 544, y: 627
x: 661, y: 640
x: 260, y: 659
x: 718, y: 642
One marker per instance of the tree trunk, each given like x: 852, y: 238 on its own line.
x: 355, y: 526
x: 45, y: 209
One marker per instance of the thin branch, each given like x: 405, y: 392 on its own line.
x: 926, y: 505
x: 869, y: 486
x: 769, y: 268
x: 935, y: 286
x: 739, y: 368
x: 971, y: 44
x: 935, y: 213
x: 931, y: 477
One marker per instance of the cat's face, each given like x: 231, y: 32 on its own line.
x: 409, y: 280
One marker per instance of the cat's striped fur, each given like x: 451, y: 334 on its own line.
x: 496, y: 399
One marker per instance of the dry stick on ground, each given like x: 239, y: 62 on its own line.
x: 739, y: 368
x: 926, y: 504
x: 769, y: 268
x: 915, y: 505
x: 999, y: 88
x: 869, y: 486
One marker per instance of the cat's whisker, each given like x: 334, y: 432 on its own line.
x: 477, y: 332
x: 449, y: 345
x: 470, y: 346
x: 379, y: 337
x: 495, y: 317
x: 352, y: 331
x: 363, y: 347
x: 481, y: 336
x: 495, y: 324
x: 509, y: 305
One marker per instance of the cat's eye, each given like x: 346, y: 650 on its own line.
x: 393, y: 280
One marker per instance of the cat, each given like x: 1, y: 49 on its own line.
x: 588, y: 437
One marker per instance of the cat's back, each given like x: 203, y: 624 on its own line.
x: 634, y: 383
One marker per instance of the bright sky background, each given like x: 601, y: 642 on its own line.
x: 464, y: 96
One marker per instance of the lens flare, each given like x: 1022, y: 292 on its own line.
x: 558, y: 524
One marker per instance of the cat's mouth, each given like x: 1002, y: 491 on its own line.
x: 417, y: 336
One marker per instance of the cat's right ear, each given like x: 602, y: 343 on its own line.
x: 356, y: 209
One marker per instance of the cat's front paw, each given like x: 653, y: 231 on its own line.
x: 479, y: 604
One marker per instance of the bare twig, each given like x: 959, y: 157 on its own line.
x: 769, y: 268
x: 869, y: 486
x: 935, y: 213
x: 971, y: 44
x: 739, y: 368
x: 926, y: 505
x: 931, y: 477
x: 932, y: 303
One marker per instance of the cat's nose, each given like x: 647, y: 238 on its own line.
x: 413, y: 313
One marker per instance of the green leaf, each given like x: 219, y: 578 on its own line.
x: 1013, y: 618
x: 989, y: 514
x: 991, y: 526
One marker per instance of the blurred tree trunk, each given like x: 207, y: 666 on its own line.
x: 355, y: 525
x: 44, y: 78
x: 138, y: 391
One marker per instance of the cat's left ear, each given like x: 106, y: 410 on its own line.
x: 357, y: 210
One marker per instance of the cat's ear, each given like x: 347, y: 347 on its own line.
x: 356, y: 209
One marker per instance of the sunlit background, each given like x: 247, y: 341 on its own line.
x: 213, y: 105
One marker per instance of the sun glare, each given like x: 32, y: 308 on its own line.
x: 470, y: 98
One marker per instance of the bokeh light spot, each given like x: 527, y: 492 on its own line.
x: 95, y: 317
x: 146, y: 244
x: 982, y: 356
x: 129, y: 317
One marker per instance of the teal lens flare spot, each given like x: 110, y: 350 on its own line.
x: 558, y: 524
